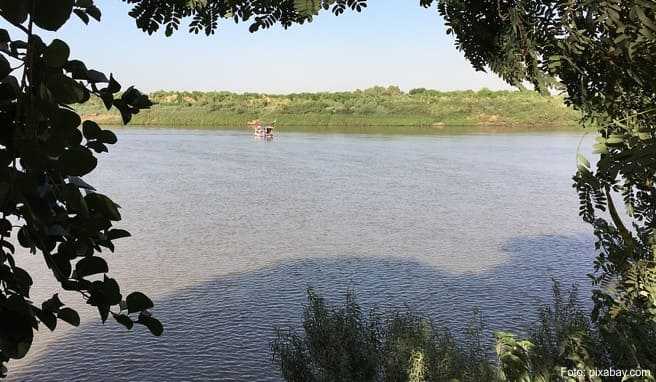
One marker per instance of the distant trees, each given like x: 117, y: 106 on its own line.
x: 417, y: 91
x: 389, y: 105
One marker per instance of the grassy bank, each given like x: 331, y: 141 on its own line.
x: 376, y: 106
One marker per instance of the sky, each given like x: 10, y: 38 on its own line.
x: 390, y: 43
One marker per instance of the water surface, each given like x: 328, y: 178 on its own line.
x: 228, y: 232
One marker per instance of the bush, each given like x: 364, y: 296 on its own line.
x: 341, y: 343
x: 417, y: 91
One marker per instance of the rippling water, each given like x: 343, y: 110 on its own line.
x: 228, y: 232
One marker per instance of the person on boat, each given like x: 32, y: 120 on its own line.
x: 269, y: 129
x: 258, y: 127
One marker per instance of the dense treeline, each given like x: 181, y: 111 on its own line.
x: 373, y: 106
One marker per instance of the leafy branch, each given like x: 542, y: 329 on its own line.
x: 45, y: 150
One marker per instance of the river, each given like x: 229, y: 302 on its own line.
x: 229, y: 231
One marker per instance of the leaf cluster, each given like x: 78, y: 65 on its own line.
x: 45, y: 149
x: 206, y: 15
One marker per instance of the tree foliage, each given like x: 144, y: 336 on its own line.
x: 45, y: 150
x: 602, y: 55
x: 205, y: 15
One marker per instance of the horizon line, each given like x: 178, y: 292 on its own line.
x: 273, y: 93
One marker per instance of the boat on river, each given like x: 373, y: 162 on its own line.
x: 263, y: 131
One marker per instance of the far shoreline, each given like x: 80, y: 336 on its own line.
x: 364, y: 130
x: 374, y: 108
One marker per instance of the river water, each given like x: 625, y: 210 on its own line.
x: 229, y: 231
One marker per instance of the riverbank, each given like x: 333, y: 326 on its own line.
x: 374, y: 107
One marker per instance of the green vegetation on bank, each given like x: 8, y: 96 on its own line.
x: 377, y: 106
x: 343, y: 342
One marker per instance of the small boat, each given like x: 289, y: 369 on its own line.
x: 261, y: 131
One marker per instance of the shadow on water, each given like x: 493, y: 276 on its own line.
x: 220, y: 330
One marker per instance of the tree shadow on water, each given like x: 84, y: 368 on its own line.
x: 220, y: 330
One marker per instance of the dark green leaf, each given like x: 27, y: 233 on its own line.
x: 69, y: 315
x: 77, y: 161
x: 5, y: 68
x: 22, y: 347
x: 97, y: 146
x: 123, y: 320
x: 112, y: 291
x: 17, y: 324
x: 90, y: 266
x: 124, y: 109
x: 91, y: 130
x: 5, y: 227
x: 23, y: 281
x: 66, y: 90
x: 80, y: 183
x: 14, y: 10
x: 108, y: 137
x: 104, y: 312
x: 152, y: 324
x: 46, y: 318
x: 63, y: 264
x: 9, y: 88
x: 52, y: 305
x: 136, y: 99
x: 103, y: 205
x: 77, y: 69
x: 114, y: 234
x: 66, y: 119
x: 137, y: 301
x: 82, y: 15
x: 95, y: 76
x: 74, y: 200
x: 94, y: 12
x: 113, y: 86
x: 56, y: 54
x: 52, y: 14
x: 25, y: 238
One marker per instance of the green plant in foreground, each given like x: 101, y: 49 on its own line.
x: 45, y: 149
x: 341, y: 343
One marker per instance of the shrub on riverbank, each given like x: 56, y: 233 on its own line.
x: 343, y: 343
x: 376, y: 106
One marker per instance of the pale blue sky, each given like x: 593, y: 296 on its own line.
x: 390, y: 43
